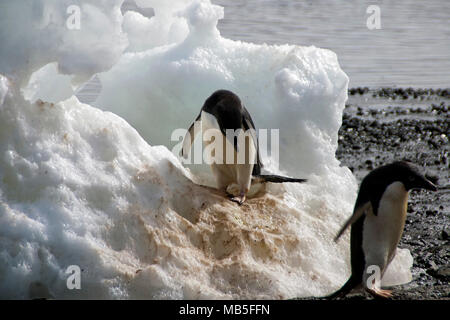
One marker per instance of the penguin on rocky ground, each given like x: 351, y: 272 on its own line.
x: 377, y: 223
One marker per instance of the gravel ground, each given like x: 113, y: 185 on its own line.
x: 384, y: 125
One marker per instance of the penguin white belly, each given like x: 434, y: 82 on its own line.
x: 227, y: 165
x: 381, y: 233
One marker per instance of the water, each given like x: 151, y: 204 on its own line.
x: 412, y: 48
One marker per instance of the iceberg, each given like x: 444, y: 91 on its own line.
x: 98, y: 187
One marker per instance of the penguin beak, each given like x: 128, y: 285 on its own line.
x: 427, y: 185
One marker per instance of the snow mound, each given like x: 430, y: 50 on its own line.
x: 81, y: 187
x: 82, y: 37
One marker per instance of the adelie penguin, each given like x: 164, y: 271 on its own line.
x: 224, y: 115
x: 377, y: 223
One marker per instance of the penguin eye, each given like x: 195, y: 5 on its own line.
x: 411, y: 178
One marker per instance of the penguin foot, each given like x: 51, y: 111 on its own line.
x: 239, y: 199
x: 380, y: 293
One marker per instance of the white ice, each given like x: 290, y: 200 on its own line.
x: 98, y: 187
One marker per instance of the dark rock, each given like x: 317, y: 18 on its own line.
x: 440, y: 273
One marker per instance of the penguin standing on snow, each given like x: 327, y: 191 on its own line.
x: 377, y: 222
x: 237, y: 159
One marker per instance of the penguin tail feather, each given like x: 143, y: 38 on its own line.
x: 276, y: 178
x: 344, y: 290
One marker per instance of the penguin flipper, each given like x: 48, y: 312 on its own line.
x: 190, y: 137
x: 249, y: 125
x: 357, y: 213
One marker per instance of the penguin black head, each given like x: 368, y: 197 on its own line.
x: 403, y: 171
x: 409, y: 175
x: 376, y: 182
